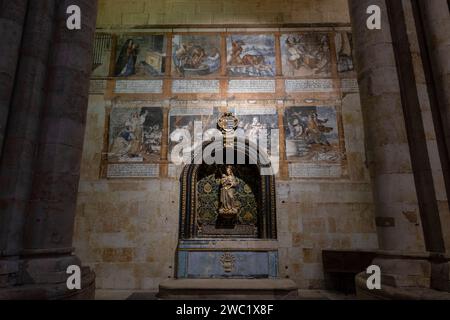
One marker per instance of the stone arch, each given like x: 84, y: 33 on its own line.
x: 267, y: 199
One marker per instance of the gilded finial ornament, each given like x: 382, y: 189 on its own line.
x: 228, y: 124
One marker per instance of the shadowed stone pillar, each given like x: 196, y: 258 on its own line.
x: 403, y: 259
x: 16, y: 169
x: 388, y: 153
x: 433, y: 21
x: 436, y: 19
x: 50, y: 218
x: 50, y: 221
x: 46, y: 250
x: 12, y: 17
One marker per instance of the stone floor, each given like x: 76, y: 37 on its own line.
x: 146, y: 295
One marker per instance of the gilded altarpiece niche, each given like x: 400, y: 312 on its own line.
x: 209, y: 221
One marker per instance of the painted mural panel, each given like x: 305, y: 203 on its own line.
x: 183, y: 119
x: 135, y: 134
x: 306, y: 55
x: 312, y: 134
x: 344, y: 51
x: 257, y: 121
x: 196, y: 55
x: 251, y: 55
x: 140, y: 56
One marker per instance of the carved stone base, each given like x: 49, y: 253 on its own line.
x: 9, y: 270
x: 406, y: 278
x: 44, y: 279
x: 224, y: 289
x: 389, y: 292
x: 52, y: 291
x: 227, y: 259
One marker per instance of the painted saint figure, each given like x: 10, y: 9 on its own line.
x: 229, y: 184
x: 129, y: 142
x: 137, y: 124
x: 126, y: 64
x: 253, y: 130
x: 316, y: 130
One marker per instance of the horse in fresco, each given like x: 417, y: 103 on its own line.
x: 253, y: 60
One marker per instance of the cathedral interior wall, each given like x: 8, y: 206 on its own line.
x: 127, y: 228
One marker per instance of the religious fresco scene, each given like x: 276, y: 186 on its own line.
x: 312, y: 134
x: 344, y: 51
x: 183, y: 120
x: 254, y: 123
x: 135, y: 135
x: 196, y: 55
x: 251, y: 55
x: 140, y: 56
x: 306, y: 55
x: 334, y: 194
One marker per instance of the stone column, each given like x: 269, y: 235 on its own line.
x: 50, y: 220
x: 48, y: 227
x: 12, y: 17
x: 16, y: 168
x: 388, y: 154
x: 433, y: 18
x: 436, y: 19
x: 403, y: 259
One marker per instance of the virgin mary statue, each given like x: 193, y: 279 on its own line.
x: 229, y: 184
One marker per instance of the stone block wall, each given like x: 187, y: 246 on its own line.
x: 124, y: 13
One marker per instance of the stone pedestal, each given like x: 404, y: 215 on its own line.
x: 244, y: 259
x: 223, y: 289
x: 228, y: 269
